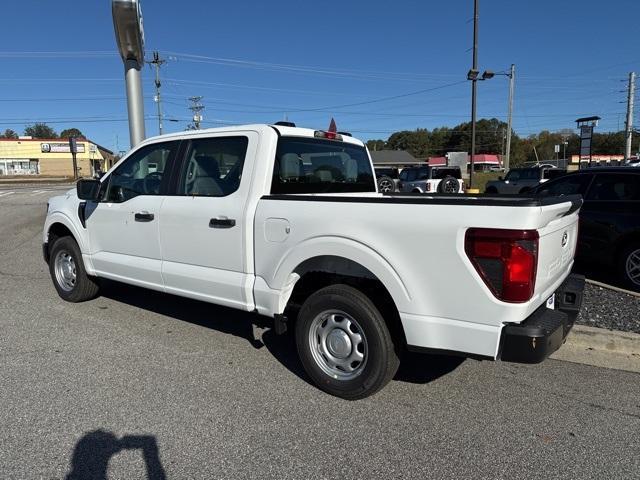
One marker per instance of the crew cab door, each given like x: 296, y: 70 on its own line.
x: 123, y: 225
x: 205, y: 231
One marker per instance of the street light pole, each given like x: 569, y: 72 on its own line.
x: 512, y: 77
x: 474, y: 87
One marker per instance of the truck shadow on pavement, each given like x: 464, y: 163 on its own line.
x: 414, y: 368
x: 93, y: 451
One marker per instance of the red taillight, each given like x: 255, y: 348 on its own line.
x: 506, y: 260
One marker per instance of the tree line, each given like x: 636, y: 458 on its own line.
x: 491, y: 138
x: 42, y: 130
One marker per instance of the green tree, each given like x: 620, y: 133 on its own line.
x: 375, y: 145
x: 71, y: 132
x: 40, y: 130
x: 8, y: 133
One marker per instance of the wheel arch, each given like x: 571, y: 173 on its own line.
x: 320, y: 262
x: 625, y: 242
x: 59, y: 225
x: 322, y: 271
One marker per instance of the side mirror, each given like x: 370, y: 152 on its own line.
x: 88, y: 189
x: 500, y: 178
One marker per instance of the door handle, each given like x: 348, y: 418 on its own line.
x: 222, y: 222
x: 143, y: 217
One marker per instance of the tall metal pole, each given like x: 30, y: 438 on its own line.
x: 512, y: 79
x: 629, y: 122
x: 127, y: 23
x: 474, y: 86
x: 135, y: 107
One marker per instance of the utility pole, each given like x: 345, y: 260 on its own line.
x: 512, y: 79
x: 629, y: 122
x: 196, y: 107
x: 157, y: 63
x: 474, y: 88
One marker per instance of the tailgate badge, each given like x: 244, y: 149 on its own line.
x: 565, y: 239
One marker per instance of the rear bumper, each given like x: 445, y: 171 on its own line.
x: 543, y: 332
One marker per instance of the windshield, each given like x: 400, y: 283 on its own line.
x: 311, y: 165
x: 522, y: 174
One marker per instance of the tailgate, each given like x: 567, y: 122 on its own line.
x: 557, y: 245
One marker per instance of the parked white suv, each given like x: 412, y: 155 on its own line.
x: 287, y: 222
x: 431, y: 180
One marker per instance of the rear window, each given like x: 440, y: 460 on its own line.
x: 310, y: 165
x: 440, y: 173
x: 389, y: 172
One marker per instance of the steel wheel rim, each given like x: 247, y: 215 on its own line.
x: 385, y: 186
x: 338, y: 344
x: 632, y: 267
x: 64, y: 268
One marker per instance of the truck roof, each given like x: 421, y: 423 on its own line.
x: 258, y: 127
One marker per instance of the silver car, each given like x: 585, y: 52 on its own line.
x: 522, y: 180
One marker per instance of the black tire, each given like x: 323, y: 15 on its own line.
x: 361, y: 318
x: 449, y: 185
x: 491, y: 190
x: 628, y: 264
x: 83, y: 286
x: 386, y: 184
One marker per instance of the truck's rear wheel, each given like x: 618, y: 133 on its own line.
x: 344, y: 343
x: 68, y: 274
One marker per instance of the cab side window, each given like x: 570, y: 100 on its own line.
x: 615, y: 186
x: 141, y: 173
x: 213, y: 166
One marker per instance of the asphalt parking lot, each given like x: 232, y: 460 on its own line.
x: 135, y: 384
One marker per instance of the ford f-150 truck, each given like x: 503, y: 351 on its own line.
x: 287, y: 222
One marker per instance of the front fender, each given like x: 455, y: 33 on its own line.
x: 349, y: 249
x: 79, y: 234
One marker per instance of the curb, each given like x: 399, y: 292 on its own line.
x: 613, y: 341
x: 611, y: 287
x: 602, y: 348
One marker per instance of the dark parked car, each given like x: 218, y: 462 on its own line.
x: 609, y: 219
x: 387, y: 178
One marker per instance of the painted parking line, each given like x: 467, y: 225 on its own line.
x: 38, y: 192
x: 6, y: 194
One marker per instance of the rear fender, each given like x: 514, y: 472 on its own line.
x: 332, y: 246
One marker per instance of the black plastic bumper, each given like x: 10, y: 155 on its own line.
x: 543, y: 332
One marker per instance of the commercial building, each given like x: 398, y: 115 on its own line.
x: 51, y: 157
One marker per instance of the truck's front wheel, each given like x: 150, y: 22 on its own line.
x: 68, y: 274
x: 344, y: 343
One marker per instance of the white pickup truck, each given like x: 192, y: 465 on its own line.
x: 287, y: 222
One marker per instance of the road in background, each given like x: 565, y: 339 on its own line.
x: 139, y: 381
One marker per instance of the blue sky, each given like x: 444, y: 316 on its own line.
x: 259, y: 61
